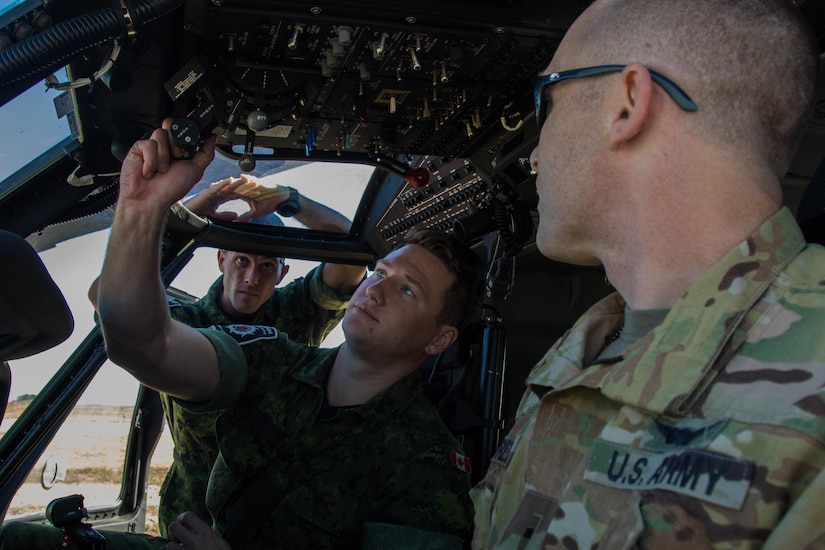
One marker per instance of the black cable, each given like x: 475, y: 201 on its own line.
x: 43, y: 53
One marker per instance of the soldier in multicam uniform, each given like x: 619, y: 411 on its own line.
x: 325, y: 448
x: 687, y: 410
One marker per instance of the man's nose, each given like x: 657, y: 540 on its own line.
x: 251, y: 276
x: 375, y: 291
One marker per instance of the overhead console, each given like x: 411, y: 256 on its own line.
x: 449, y: 82
x: 287, y: 79
x: 437, y: 93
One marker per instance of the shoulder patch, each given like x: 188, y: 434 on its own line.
x: 246, y: 334
x: 505, y: 450
x: 697, y: 473
x: 173, y: 302
x: 461, y: 462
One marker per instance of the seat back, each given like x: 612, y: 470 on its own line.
x: 34, y: 315
x: 811, y: 210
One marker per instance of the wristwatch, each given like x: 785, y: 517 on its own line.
x: 290, y: 206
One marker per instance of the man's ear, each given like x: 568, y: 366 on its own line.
x: 221, y: 258
x: 446, y: 336
x: 631, y: 113
x: 284, y: 271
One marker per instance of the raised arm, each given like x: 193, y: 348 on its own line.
x: 263, y: 200
x: 341, y: 278
x: 140, y: 335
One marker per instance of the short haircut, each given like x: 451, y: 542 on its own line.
x: 463, y: 296
x: 750, y: 65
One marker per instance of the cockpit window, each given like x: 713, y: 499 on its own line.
x: 34, y: 135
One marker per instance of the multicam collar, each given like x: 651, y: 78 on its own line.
x: 684, y: 348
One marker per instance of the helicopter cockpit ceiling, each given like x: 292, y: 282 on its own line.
x: 436, y: 94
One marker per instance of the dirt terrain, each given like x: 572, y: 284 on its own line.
x: 89, y: 449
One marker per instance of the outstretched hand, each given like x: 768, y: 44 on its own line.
x: 190, y: 531
x: 266, y: 201
x: 262, y: 200
x: 152, y: 176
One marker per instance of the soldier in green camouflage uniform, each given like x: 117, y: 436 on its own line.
x: 705, y: 428
x: 306, y: 309
x: 323, y: 448
x: 296, y: 472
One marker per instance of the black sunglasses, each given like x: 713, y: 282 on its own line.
x: 543, y: 106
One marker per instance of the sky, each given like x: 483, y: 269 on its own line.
x: 30, y: 125
x: 75, y: 263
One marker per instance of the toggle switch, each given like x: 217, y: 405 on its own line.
x: 293, y: 41
x: 416, y: 65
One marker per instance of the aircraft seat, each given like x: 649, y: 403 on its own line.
x: 811, y: 210
x: 34, y: 315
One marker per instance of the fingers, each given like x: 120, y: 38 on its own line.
x: 220, y: 185
x: 177, y: 533
x: 231, y: 185
x: 158, y: 152
x: 207, y: 147
x: 277, y: 193
x: 190, y: 531
x: 226, y: 215
x: 177, y: 152
x: 247, y: 216
x: 248, y: 189
x: 187, y: 525
x: 162, y: 156
x: 206, y: 152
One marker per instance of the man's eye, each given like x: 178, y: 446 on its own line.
x: 269, y: 268
x: 380, y: 273
x: 241, y: 261
x: 408, y: 291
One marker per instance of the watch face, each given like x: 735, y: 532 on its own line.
x: 291, y: 205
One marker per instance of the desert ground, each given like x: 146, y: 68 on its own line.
x: 90, y: 447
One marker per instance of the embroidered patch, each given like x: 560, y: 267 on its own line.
x: 505, y: 450
x: 173, y: 302
x: 698, y: 473
x: 461, y: 462
x: 667, y: 435
x: 246, y: 334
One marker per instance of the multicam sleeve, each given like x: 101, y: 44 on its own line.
x: 803, y: 526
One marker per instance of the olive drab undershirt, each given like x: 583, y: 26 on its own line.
x: 709, y: 430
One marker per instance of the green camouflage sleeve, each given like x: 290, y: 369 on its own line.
x: 233, y: 372
x: 27, y: 536
x: 306, y: 309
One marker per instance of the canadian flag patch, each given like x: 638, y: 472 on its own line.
x: 461, y: 462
